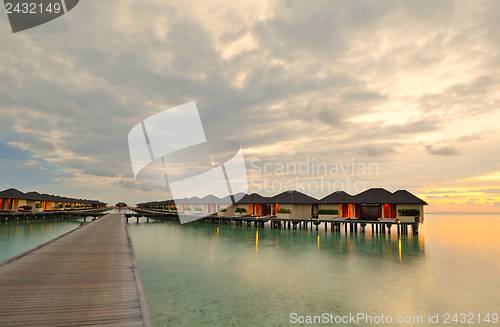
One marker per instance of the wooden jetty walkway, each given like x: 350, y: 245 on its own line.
x: 86, y: 277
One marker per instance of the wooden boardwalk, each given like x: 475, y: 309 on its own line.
x: 87, y: 277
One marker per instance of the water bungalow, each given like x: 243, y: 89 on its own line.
x: 13, y: 200
x: 376, y: 203
x: 346, y: 206
x: 372, y: 204
x: 401, y: 204
x: 299, y: 205
x: 212, y: 204
x: 254, y: 204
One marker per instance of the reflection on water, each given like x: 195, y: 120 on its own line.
x: 209, y: 275
x: 20, y: 236
x: 202, y: 274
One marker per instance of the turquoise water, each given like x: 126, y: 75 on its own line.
x: 208, y: 275
x: 19, y: 236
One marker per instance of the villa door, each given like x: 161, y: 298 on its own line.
x: 266, y: 209
x: 369, y: 211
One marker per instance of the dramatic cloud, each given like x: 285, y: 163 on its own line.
x: 289, y: 80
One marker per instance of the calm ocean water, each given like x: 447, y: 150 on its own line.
x: 19, y: 236
x: 209, y: 275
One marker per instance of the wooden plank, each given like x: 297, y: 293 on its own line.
x: 86, y: 277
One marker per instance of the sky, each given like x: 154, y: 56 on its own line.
x: 407, y: 88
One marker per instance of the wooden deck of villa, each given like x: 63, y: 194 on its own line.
x: 378, y: 226
x: 87, y: 277
x: 9, y: 215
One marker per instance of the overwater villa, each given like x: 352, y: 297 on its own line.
x: 253, y: 204
x: 372, y: 204
x: 339, y: 203
x: 14, y: 200
x: 295, y: 205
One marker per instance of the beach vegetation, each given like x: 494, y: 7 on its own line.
x: 409, y: 212
x: 328, y: 212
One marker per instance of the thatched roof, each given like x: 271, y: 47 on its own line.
x: 370, y: 196
x: 254, y: 198
x: 212, y: 199
x: 12, y: 193
x: 292, y: 197
x: 403, y: 197
x: 338, y: 197
x: 373, y: 196
x: 35, y: 196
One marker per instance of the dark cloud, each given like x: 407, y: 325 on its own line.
x: 376, y: 150
x: 304, y: 88
x: 125, y: 183
x: 442, y: 150
x: 475, y: 136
